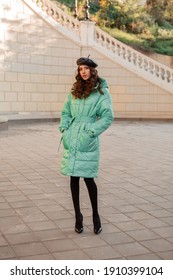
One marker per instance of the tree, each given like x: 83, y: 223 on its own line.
x: 157, y: 9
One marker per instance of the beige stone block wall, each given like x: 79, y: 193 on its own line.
x: 37, y: 69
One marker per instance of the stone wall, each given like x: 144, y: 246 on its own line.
x: 38, y: 64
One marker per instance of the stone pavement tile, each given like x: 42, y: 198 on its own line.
x: 36, y: 196
x: 116, y: 238
x: 165, y: 205
x: 7, y: 186
x: 21, y: 204
x: 164, y: 231
x: 127, y: 208
x: 115, y: 218
x: 14, y: 229
x: 7, y: 213
x: 51, y: 208
x: 89, y: 241
x: 131, y: 249
x: 145, y: 257
x: 168, y: 197
x: 156, y: 199
x: 137, y: 181
x: 6, y: 252
x: 105, y: 210
x: 148, y: 206
x: 65, y: 223
x: 29, y: 249
x: 50, y: 234
x: 16, y: 198
x: 142, y: 234
x: 170, y: 239
x: 3, y: 242
x: 59, y: 196
x: 44, y: 202
x: 2, y: 199
x: 160, y: 213
x: 58, y: 215
x: 28, y: 191
x: 45, y: 225
x: 20, y: 238
x: 102, y: 253
x: 168, y: 255
x: 10, y: 193
x: 6, y: 221
x: 129, y: 225
x: 152, y: 223
x: 24, y: 211
x: 140, y: 215
x: 38, y: 257
x: 109, y: 228
x: 158, y: 245
x: 58, y: 245
x: 70, y: 232
x: 34, y: 217
x: 168, y: 220
x: 136, y: 200
x: 26, y: 185
x: 71, y: 255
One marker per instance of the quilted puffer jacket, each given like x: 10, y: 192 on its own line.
x: 82, y: 121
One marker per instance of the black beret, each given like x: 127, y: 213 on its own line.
x: 86, y: 61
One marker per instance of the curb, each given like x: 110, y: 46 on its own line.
x: 3, y: 123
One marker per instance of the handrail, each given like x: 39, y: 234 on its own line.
x: 147, y: 68
x: 137, y: 61
x: 58, y: 15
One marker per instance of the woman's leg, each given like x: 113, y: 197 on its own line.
x: 92, y: 190
x: 75, y: 191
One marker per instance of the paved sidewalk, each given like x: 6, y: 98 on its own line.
x: 135, y: 195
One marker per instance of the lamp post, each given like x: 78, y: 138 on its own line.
x: 75, y: 10
x: 87, y: 6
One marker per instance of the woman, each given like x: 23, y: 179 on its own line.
x: 86, y: 114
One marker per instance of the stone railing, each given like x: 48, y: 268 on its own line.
x: 139, y: 63
x: 86, y: 33
x: 52, y: 10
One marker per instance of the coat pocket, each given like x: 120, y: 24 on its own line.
x: 66, y: 139
x: 87, y: 143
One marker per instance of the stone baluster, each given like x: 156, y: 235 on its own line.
x: 113, y: 47
x: 39, y: 3
x: 108, y: 43
x: 134, y: 58
x: 45, y: 7
x: 162, y: 73
x: 171, y: 80
x: 157, y: 70
x: 139, y: 61
x: 151, y: 67
x: 168, y: 76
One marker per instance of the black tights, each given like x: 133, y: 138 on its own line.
x: 92, y: 190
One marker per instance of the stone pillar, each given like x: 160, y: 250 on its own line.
x: 87, y: 32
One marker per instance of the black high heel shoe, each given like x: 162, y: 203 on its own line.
x: 97, y: 225
x: 79, y: 224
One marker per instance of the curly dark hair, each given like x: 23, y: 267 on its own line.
x: 82, y: 89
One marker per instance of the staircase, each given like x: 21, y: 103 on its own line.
x: 86, y: 33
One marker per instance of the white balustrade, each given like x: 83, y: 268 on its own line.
x: 58, y: 15
x: 142, y: 63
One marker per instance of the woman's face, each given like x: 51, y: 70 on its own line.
x: 85, y: 72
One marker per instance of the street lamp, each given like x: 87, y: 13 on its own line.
x: 87, y: 6
x: 75, y: 10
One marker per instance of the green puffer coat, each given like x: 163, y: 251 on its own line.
x: 82, y: 121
